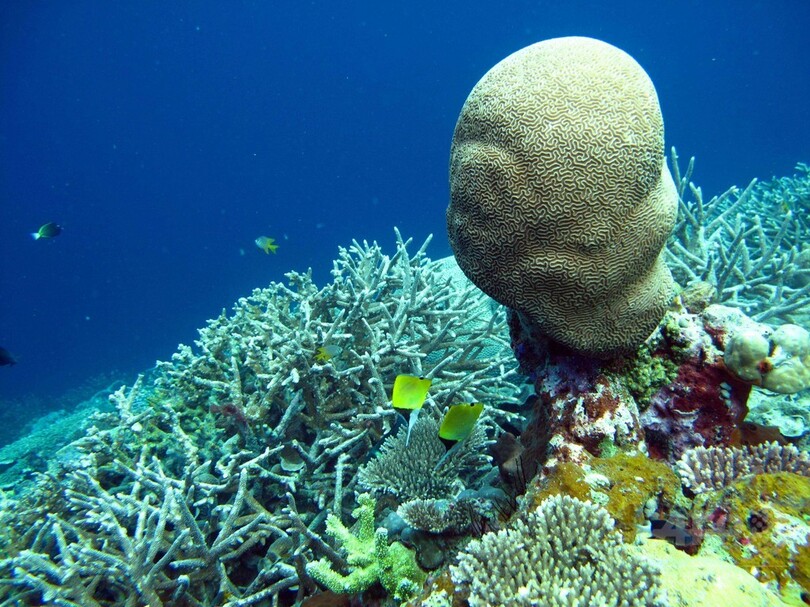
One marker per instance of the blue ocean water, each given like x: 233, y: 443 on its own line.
x: 166, y: 137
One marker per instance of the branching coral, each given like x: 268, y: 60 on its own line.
x: 703, y: 469
x: 446, y: 516
x: 750, y: 244
x: 563, y: 554
x: 175, y: 496
x: 151, y: 540
x: 388, y: 315
x: 370, y: 557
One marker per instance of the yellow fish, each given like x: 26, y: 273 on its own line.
x: 266, y: 244
x: 408, y: 397
x: 410, y: 392
x: 457, y: 424
x: 326, y: 353
x: 459, y: 421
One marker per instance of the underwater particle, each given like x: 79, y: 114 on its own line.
x: 266, y: 244
x: 7, y: 358
x: 48, y: 230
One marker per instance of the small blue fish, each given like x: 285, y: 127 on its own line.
x: 266, y: 244
x: 7, y: 358
x: 327, y: 352
x: 49, y: 230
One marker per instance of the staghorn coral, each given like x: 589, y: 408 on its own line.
x: 560, y: 199
x: 750, y: 244
x: 152, y: 540
x: 703, y: 469
x: 247, y: 440
x: 409, y: 471
x: 563, y: 554
x: 389, y: 315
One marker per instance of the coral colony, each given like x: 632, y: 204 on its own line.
x: 625, y: 423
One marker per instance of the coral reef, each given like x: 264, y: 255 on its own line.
x: 210, y: 484
x: 564, y: 553
x: 388, y: 315
x: 632, y: 488
x: 705, y: 404
x: 551, y: 212
x: 445, y: 516
x: 705, y: 581
x: 588, y: 405
x: 790, y: 413
x: 221, y: 478
x: 114, y: 525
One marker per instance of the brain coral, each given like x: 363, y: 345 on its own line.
x: 560, y: 198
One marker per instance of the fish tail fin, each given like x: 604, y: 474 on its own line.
x: 35, y: 235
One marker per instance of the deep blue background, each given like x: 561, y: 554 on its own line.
x: 165, y: 137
